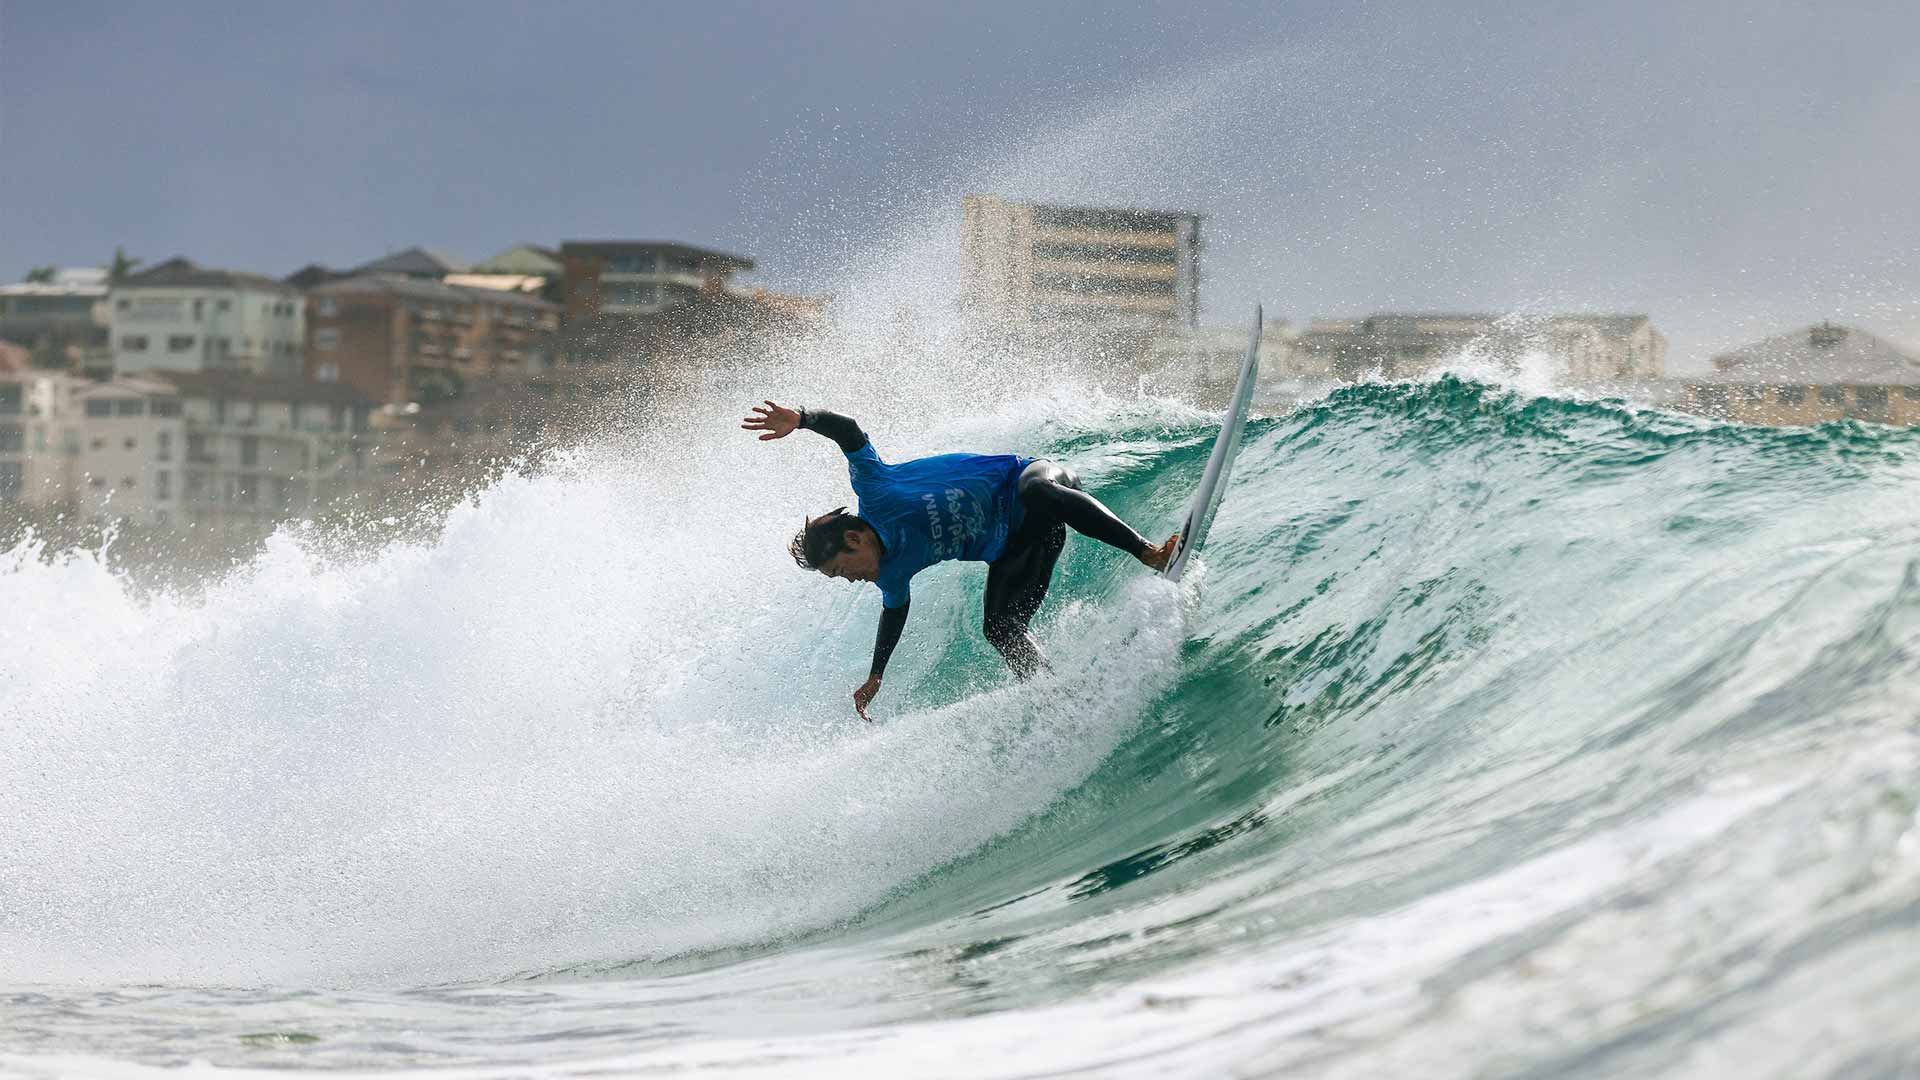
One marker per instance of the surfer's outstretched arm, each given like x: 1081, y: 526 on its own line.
x: 892, y: 621
x: 778, y: 422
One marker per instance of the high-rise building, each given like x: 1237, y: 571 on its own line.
x: 1027, y: 263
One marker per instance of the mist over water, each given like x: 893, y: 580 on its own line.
x: 1500, y: 731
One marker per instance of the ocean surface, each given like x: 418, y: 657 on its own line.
x: 1496, y: 735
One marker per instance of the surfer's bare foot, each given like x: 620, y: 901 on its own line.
x: 1159, y: 557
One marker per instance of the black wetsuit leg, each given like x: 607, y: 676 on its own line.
x: 1017, y: 582
x: 1055, y: 491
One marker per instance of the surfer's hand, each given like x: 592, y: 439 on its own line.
x: 864, y: 696
x: 1158, y: 557
x: 777, y: 421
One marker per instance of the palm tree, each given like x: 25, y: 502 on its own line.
x: 122, y: 265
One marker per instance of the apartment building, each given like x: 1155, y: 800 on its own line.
x: 398, y: 339
x: 1024, y: 263
x: 231, y: 453
x: 61, y: 323
x: 38, y: 445
x: 1809, y: 376
x: 180, y: 317
x: 616, y: 290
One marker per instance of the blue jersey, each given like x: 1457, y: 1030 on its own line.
x: 929, y: 510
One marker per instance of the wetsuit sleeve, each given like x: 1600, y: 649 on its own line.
x: 841, y: 429
x: 892, y: 621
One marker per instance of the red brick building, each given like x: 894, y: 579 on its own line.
x: 400, y: 339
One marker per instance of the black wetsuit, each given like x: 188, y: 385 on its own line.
x: 1017, y: 581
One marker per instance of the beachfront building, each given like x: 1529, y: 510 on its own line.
x: 180, y: 317
x: 1575, y: 347
x: 37, y: 443
x: 617, y: 290
x: 398, y: 339
x: 1029, y: 262
x: 218, y: 450
x: 1810, y: 376
x: 61, y: 323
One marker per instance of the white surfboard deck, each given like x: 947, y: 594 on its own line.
x: 1213, y: 482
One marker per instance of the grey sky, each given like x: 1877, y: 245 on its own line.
x: 1730, y: 167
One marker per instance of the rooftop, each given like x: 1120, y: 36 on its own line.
x: 661, y: 247
x: 182, y: 272
x: 83, y: 281
x: 1821, y: 354
x: 431, y: 291
x: 415, y: 262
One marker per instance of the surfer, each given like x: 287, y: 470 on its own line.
x: 1009, y: 512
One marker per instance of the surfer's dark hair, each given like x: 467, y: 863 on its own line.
x: 823, y: 537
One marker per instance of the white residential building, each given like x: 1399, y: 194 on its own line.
x: 224, y: 451
x: 38, y: 441
x: 179, y: 317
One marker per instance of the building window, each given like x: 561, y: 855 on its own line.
x: 326, y: 306
x: 131, y: 406
x: 223, y: 305
x: 250, y: 450
x: 197, y: 447
x: 199, y: 310
x: 245, y: 487
x: 13, y: 438
x: 326, y: 339
x: 97, y: 444
x: 180, y: 343
x: 1870, y: 402
x: 633, y: 264
x: 133, y: 343
x: 12, y: 475
x: 99, y: 407
x: 166, y: 406
x: 132, y: 442
x: 9, y: 399
x: 1754, y: 394
x: 1833, y: 395
x: 123, y: 304
x: 164, y: 448
x: 1792, y: 395
x: 196, y: 486
x: 162, y: 485
x: 618, y: 292
x: 1912, y: 392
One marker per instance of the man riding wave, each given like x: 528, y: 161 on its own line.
x: 1009, y: 512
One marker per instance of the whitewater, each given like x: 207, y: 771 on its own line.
x: 1498, y: 733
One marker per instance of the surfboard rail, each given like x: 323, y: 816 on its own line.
x: 1213, y: 482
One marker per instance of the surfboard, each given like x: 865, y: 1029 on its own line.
x: 1213, y: 482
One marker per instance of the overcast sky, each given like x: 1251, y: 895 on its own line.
x: 1730, y: 167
